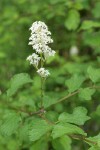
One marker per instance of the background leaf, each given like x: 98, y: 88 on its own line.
x: 94, y: 74
x: 39, y: 145
x: 73, y: 20
x: 94, y: 148
x: 38, y: 129
x: 74, y: 82
x: 88, y: 24
x: 62, y: 143
x: 79, y: 116
x: 65, y: 128
x: 17, y: 82
x: 10, y: 124
x: 86, y: 93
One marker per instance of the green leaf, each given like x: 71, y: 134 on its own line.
x: 61, y: 129
x: 2, y: 55
x: 96, y: 10
x: 94, y: 74
x: 52, y: 116
x: 39, y: 128
x: 92, y: 39
x: 17, y: 82
x: 97, y: 112
x: 74, y: 82
x: 39, y: 145
x: 86, y: 93
x: 73, y: 20
x: 61, y: 143
x: 88, y: 24
x: 79, y: 116
x: 94, y: 148
x: 10, y: 124
x: 95, y: 139
x: 23, y: 132
x: 48, y: 101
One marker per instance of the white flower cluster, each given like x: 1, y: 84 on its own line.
x: 43, y: 73
x: 40, y: 38
x: 34, y: 59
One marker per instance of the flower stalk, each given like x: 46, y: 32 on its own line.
x: 39, y: 39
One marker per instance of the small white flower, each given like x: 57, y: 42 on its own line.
x: 43, y: 73
x: 74, y: 51
x: 34, y: 59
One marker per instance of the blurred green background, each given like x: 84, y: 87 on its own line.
x: 74, y: 25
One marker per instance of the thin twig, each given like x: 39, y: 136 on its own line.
x: 94, y: 87
x: 74, y: 93
x: 66, y: 97
x: 42, y: 83
x: 80, y: 137
x: 48, y: 121
x: 41, y: 111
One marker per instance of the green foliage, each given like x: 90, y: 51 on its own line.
x: 61, y: 143
x: 48, y: 101
x: 79, y: 116
x: 18, y: 81
x: 98, y: 110
x: 94, y: 148
x: 24, y: 131
x: 72, y: 90
x: 92, y: 39
x: 96, y: 10
x: 86, y: 93
x: 10, y: 124
x: 94, y: 74
x: 89, y: 24
x: 95, y: 139
x: 39, y: 145
x: 61, y: 129
x: 74, y: 82
x: 38, y: 129
x: 73, y: 20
